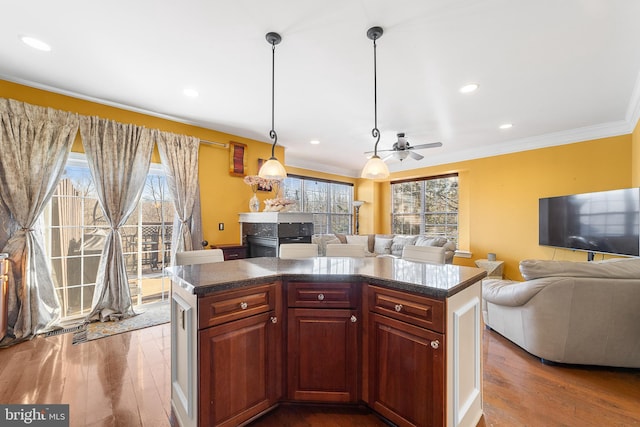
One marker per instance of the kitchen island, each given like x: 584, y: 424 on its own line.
x: 399, y: 337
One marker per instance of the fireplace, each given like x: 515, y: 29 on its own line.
x: 264, y: 232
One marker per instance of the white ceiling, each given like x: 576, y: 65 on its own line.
x: 560, y: 71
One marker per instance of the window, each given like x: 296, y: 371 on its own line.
x: 329, y: 201
x: 75, y: 229
x: 428, y: 206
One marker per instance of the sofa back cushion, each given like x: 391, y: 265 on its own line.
x: 399, y: 242
x: 382, y: 245
x: 430, y: 241
x: 615, y: 268
x: 363, y: 241
x: 322, y: 240
x: 370, y: 241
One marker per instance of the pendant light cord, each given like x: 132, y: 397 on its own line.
x: 272, y: 133
x: 375, y: 132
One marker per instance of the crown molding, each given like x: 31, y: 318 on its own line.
x: 586, y: 133
x: 633, y: 111
x: 296, y: 162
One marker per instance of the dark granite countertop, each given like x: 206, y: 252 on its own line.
x: 438, y: 281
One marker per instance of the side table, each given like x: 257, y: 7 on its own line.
x: 494, y: 269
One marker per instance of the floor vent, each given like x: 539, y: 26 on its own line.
x: 64, y: 331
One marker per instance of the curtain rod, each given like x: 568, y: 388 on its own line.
x: 214, y: 143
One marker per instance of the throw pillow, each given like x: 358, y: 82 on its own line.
x: 359, y: 240
x: 430, y: 241
x: 399, y: 242
x: 382, y: 245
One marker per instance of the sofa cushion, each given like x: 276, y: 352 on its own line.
x: 382, y: 245
x: 430, y: 241
x: 322, y: 240
x: 353, y: 239
x: 399, y: 242
x: 615, y: 268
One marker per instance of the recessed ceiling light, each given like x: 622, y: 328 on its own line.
x: 506, y: 126
x: 314, y: 142
x: 468, y: 88
x: 35, y: 43
x: 191, y: 93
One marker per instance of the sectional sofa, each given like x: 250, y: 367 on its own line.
x: 385, y: 244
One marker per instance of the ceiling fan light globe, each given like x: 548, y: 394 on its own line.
x: 401, y: 155
x: 375, y: 168
x: 272, y: 169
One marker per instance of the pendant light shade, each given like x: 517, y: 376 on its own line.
x: 375, y: 168
x: 272, y: 168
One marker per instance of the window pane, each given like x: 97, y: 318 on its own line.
x: 75, y: 232
x: 330, y: 202
x: 407, y: 197
x: 316, y: 197
x: 430, y: 205
x: 293, y: 191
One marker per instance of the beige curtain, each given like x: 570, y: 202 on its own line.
x: 179, y: 155
x: 119, y: 156
x: 34, y: 146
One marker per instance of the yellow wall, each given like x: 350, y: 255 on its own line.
x: 223, y: 196
x: 499, y: 195
x: 635, y: 156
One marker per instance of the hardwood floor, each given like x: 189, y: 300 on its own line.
x: 123, y: 380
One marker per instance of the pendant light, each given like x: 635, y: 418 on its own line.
x: 272, y: 168
x: 375, y: 168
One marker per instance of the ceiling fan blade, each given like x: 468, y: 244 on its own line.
x: 415, y: 156
x: 430, y: 145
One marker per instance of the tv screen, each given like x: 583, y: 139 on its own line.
x: 604, y: 222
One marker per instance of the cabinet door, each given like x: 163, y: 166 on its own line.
x: 323, y: 355
x: 406, y: 373
x: 240, y: 369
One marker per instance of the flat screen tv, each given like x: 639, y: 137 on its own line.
x: 602, y: 222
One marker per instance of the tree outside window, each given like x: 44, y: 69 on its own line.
x: 428, y: 206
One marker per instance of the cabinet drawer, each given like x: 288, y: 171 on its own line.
x: 234, y: 252
x: 236, y: 304
x: 321, y: 295
x: 417, y: 310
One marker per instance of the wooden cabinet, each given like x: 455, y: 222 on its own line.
x: 240, y: 357
x: 322, y: 342
x: 231, y: 252
x: 406, y: 361
x: 413, y: 359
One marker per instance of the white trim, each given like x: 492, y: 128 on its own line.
x: 633, y: 110
x: 460, y: 409
x: 462, y: 254
x: 185, y: 398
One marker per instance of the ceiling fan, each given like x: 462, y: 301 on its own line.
x: 401, y: 149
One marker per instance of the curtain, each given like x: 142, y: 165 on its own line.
x: 34, y: 145
x: 179, y: 156
x: 119, y: 156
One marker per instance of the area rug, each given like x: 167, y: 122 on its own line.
x: 148, y: 315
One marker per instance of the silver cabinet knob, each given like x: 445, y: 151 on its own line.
x: 244, y: 305
x: 398, y: 307
x: 274, y: 319
x: 320, y: 297
x: 353, y: 319
x: 435, y: 344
